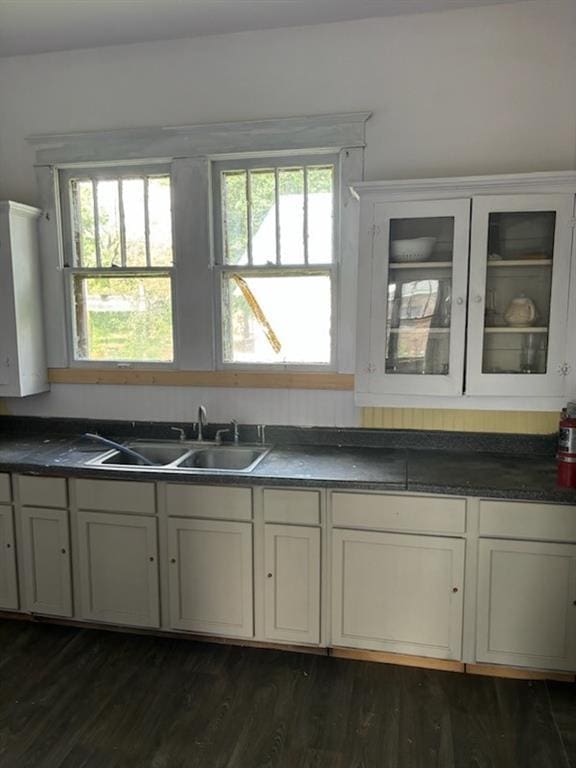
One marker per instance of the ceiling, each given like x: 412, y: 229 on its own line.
x: 38, y: 26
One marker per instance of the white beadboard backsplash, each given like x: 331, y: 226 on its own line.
x: 250, y: 406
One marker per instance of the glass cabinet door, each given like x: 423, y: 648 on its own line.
x: 419, y: 294
x: 519, y: 289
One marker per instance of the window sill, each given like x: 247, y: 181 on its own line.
x: 228, y: 379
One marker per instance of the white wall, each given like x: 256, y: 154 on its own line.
x: 482, y: 90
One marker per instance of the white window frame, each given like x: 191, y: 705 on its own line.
x: 189, y: 151
x: 71, y: 269
x: 220, y: 268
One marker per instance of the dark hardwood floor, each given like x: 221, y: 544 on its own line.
x: 74, y: 698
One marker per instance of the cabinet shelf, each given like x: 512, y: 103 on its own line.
x: 519, y: 262
x: 516, y: 329
x: 419, y: 330
x: 420, y: 264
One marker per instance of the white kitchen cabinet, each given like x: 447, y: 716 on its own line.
x: 292, y: 583
x: 8, y: 578
x: 418, y: 308
x: 23, y: 368
x: 527, y: 604
x: 118, y: 568
x: 398, y: 593
x: 210, y: 576
x: 45, y: 550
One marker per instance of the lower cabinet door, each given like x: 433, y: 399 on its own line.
x: 118, y: 556
x: 8, y: 579
x: 398, y: 593
x: 292, y: 583
x: 527, y: 604
x: 211, y: 583
x: 46, y: 560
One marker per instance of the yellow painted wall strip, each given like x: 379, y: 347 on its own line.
x: 445, y: 419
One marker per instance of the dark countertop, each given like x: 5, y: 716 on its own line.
x: 497, y: 474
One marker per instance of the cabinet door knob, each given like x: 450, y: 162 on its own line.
x: 460, y: 300
x: 8, y: 546
x: 269, y: 575
x: 172, y: 559
x: 454, y: 589
x: 478, y: 298
x: 63, y: 551
x: 151, y: 559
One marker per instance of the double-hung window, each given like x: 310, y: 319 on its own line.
x: 117, y: 237
x: 275, y: 225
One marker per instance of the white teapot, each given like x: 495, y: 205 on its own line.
x: 521, y: 311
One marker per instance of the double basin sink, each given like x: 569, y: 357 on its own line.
x: 185, y: 456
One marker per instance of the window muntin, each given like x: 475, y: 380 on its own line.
x: 119, y: 258
x: 123, y: 221
x: 275, y: 258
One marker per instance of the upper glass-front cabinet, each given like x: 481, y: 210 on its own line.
x: 466, y: 293
x: 519, y: 276
x: 418, y: 301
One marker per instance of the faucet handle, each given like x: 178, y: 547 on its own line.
x: 236, y: 433
x: 219, y: 433
x: 181, y: 432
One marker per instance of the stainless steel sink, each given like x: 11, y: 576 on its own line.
x: 159, y: 452
x: 184, y: 456
x: 227, y: 457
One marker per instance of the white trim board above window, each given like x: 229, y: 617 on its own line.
x: 190, y: 153
x: 331, y: 132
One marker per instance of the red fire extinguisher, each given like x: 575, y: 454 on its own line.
x: 567, y: 447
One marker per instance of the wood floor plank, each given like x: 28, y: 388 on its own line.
x: 563, y: 705
x: 528, y: 725
x: 73, y: 698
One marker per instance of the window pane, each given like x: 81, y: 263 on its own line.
x: 160, y: 221
x: 263, y: 216
x: 291, y: 203
x: 320, y: 214
x: 235, y: 217
x: 133, y: 202
x: 123, y: 318
x: 108, y: 223
x: 83, y: 222
x: 276, y: 319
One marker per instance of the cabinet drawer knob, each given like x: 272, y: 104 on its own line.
x: 8, y: 546
x: 460, y: 301
x: 454, y: 589
x: 63, y: 551
x: 269, y: 575
x: 151, y: 558
x: 478, y: 298
x: 172, y: 559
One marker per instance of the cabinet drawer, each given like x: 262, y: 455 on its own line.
x: 116, y: 496
x: 528, y: 520
x: 5, y: 492
x: 43, y: 491
x: 297, y: 507
x: 398, y: 513
x: 209, y: 502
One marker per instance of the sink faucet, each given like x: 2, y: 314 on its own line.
x: 202, y: 419
x: 235, y: 431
